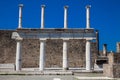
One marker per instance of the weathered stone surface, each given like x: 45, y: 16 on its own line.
x: 54, y: 48
x: 7, y: 47
x: 116, y: 70
x: 7, y: 67
x: 111, y: 70
x: 114, y: 58
x: 107, y: 70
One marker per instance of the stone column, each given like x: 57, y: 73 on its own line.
x: 65, y: 17
x: 20, y: 16
x: 42, y: 54
x: 88, y: 16
x: 104, y: 49
x: 42, y: 16
x: 65, y: 51
x: 118, y: 47
x: 18, y: 55
x: 88, y: 55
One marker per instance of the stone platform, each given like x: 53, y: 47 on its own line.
x: 72, y: 74
x: 49, y: 71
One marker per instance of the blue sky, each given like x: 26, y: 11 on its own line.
x: 105, y: 16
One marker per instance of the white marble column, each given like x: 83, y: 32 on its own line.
x: 42, y: 54
x: 18, y: 55
x: 20, y: 16
x: 65, y: 17
x: 88, y: 16
x: 88, y: 55
x: 42, y: 16
x: 65, y: 51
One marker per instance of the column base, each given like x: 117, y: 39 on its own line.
x: 65, y: 68
x: 88, y: 70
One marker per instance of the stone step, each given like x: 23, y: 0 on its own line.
x: 94, y: 78
x: 7, y: 67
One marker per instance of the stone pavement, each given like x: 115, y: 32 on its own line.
x: 58, y: 74
x: 36, y: 77
x: 50, y: 77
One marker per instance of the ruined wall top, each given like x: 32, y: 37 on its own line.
x: 114, y: 58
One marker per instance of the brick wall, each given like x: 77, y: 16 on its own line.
x: 30, y: 51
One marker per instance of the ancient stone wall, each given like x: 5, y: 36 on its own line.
x: 114, y: 58
x: 7, y: 47
x: 54, y: 48
x: 112, y: 69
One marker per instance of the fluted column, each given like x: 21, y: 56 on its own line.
x: 65, y: 52
x: 88, y: 16
x: 20, y: 16
x: 88, y: 55
x: 42, y: 16
x: 42, y: 54
x: 18, y: 55
x: 65, y: 17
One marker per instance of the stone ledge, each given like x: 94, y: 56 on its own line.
x: 36, y: 73
x: 7, y: 67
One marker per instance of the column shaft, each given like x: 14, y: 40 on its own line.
x: 88, y: 55
x: 88, y: 16
x: 42, y: 55
x: 65, y: 51
x: 42, y: 16
x: 20, y: 16
x: 65, y: 17
x: 18, y: 56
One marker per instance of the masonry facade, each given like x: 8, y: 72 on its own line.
x: 66, y: 37
x: 30, y: 51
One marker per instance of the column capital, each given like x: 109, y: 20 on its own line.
x: 42, y: 39
x: 88, y: 39
x: 43, y: 6
x: 66, y: 7
x: 88, y: 6
x: 20, y: 5
x: 65, y: 39
x: 19, y: 39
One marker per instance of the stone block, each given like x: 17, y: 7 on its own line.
x: 114, y: 58
x: 7, y: 67
x: 111, y: 70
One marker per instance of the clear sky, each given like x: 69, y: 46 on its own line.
x: 105, y: 16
